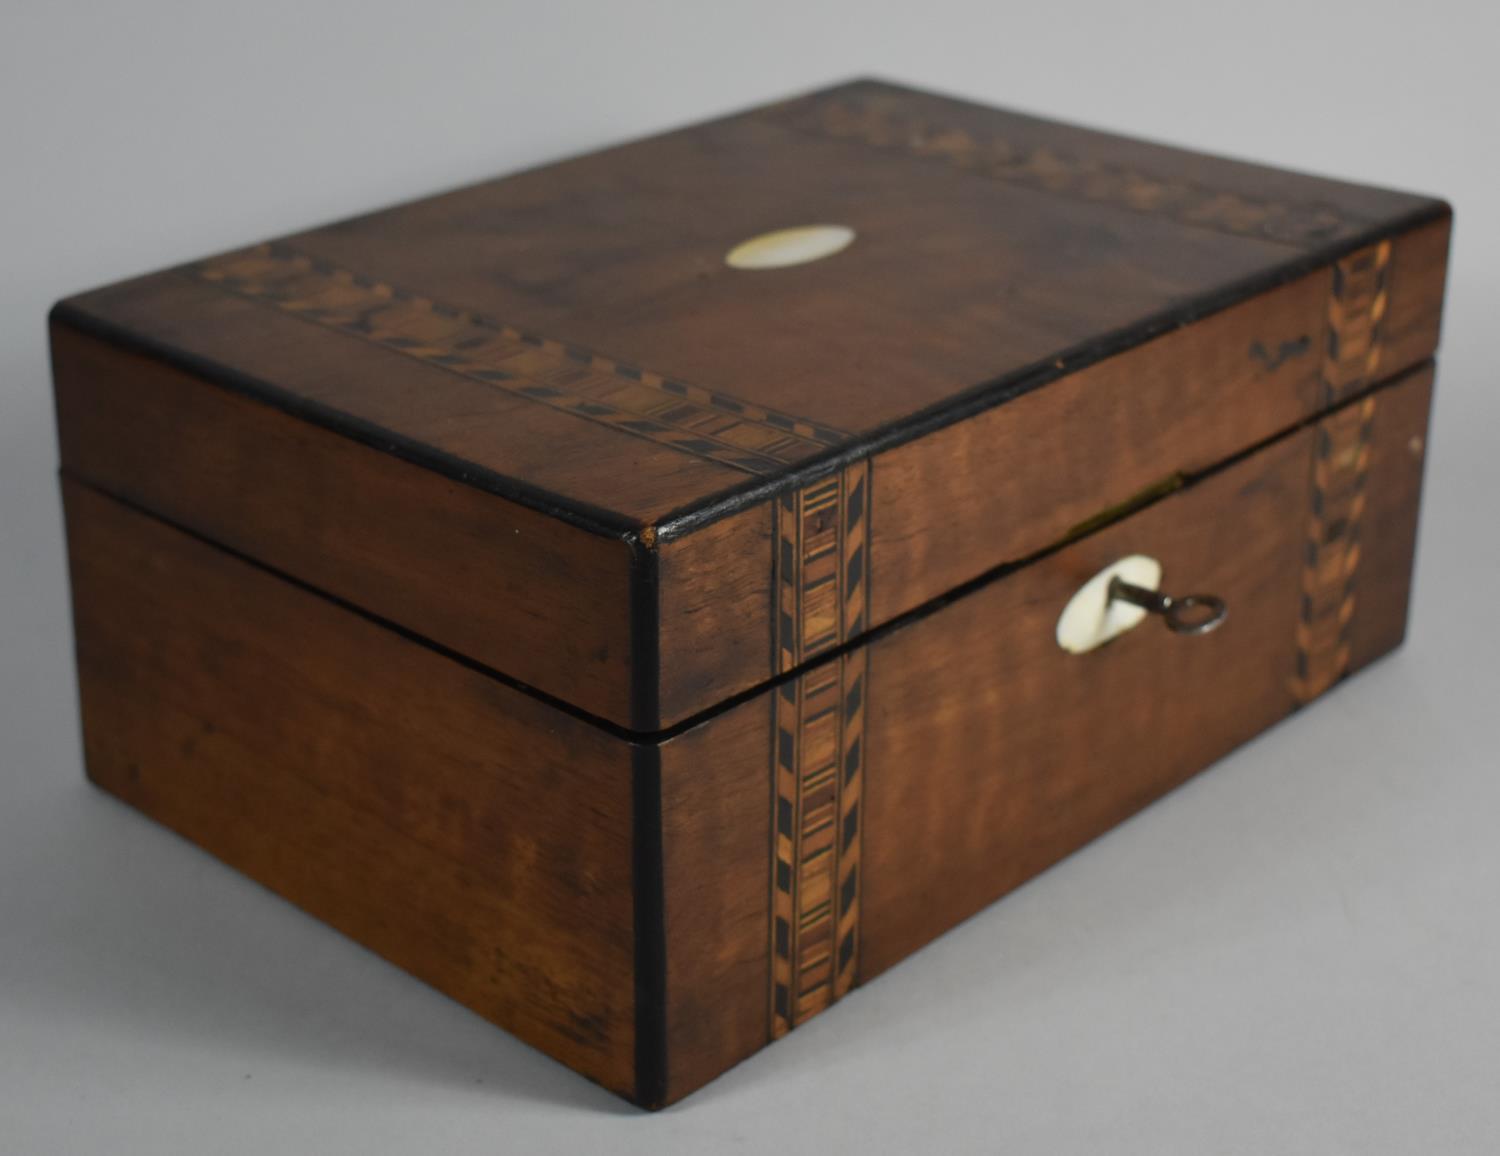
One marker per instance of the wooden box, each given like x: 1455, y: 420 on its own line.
x: 630, y: 595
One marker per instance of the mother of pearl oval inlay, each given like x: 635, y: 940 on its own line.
x: 784, y: 247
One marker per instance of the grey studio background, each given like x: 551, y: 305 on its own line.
x: 1297, y: 953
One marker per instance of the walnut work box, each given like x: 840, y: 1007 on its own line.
x: 648, y: 596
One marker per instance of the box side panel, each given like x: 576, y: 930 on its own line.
x: 820, y: 832
x: 757, y: 593
x: 540, y: 600
x: 992, y: 769
x: 473, y: 836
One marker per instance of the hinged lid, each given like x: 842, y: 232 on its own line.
x: 645, y: 428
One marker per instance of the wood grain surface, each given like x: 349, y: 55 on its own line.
x: 645, y: 651
x: 988, y: 753
x: 575, y: 328
x: 477, y: 838
x: 1048, y: 750
x: 543, y: 601
x: 1033, y: 324
x: 804, y: 839
x: 548, y: 602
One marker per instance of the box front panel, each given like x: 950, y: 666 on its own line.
x: 904, y: 785
x: 943, y: 509
x: 1007, y: 753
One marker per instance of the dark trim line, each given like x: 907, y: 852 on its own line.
x: 645, y: 635
x: 650, y: 929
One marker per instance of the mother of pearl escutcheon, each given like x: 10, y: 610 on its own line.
x: 1091, y: 618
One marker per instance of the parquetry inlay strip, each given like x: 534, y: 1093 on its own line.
x: 815, y: 887
x: 822, y: 590
x: 599, y: 389
x: 1356, y: 308
x: 1341, y: 462
x: 886, y: 121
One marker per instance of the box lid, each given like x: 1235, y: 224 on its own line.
x: 569, y: 426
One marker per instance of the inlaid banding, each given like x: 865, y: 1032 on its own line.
x: 1359, y: 290
x: 819, y: 753
x: 821, y: 566
x: 1341, y: 464
x: 1356, y: 309
x: 606, y: 391
x: 888, y: 121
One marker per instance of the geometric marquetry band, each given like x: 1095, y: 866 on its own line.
x: 1341, y: 464
x: 819, y: 754
x: 1356, y: 308
x: 820, y: 593
x: 821, y: 598
x: 603, y: 390
x: 887, y: 121
x: 1357, y: 299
